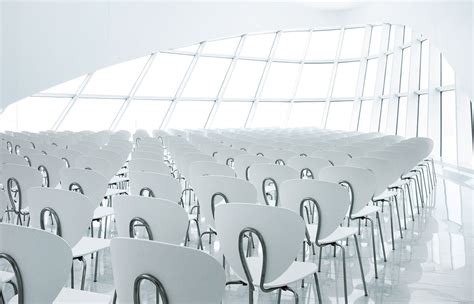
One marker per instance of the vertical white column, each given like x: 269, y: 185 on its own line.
x: 413, y: 86
x: 434, y: 99
x: 463, y: 128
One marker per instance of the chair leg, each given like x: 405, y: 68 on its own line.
x: 343, y: 270
x: 360, y: 264
x: 279, y: 296
x: 84, y: 268
x: 199, y: 246
x: 2, y: 299
x: 318, y: 290
x: 398, y: 214
x: 304, y: 259
x: 320, y: 256
x: 251, y: 293
x: 404, y: 208
x: 381, y: 237
x: 96, y: 265
x: 391, y: 225
x: 373, y: 246
x: 293, y: 292
x: 72, y: 274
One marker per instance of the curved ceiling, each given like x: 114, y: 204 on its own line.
x: 45, y: 43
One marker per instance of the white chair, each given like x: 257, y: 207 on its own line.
x: 213, y: 190
x: 267, y: 179
x: 196, y: 278
x: 336, y: 158
x: 16, y: 180
x: 280, y: 233
x: 93, y: 185
x: 227, y: 156
x: 147, y: 154
x: 7, y: 158
x: 72, y: 214
x: 361, y: 184
x: 243, y: 162
x: 163, y: 220
x: 150, y: 165
x: 307, y: 166
x: 331, y: 201
x: 69, y: 156
x: 49, y: 166
x: 201, y: 168
x: 95, y: 163
x: 41, y: 263
x: 278, y: 156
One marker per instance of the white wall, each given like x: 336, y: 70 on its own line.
x: 46, y: 43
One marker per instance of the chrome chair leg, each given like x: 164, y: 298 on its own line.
x: 360, y: 264
x: 318, y: 290
x: 373, y: 246
x: 381, y: 237
x: 320, y: 257
x: 343, y: 270
x: 72, y: 274
x: 96, y: 265
x: 84, y: 268
x: 398, y: 214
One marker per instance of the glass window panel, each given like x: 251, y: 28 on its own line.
x: 405, y: 70
x: 270, y: 114
x: 346, y: 79
x: 402, y: 116
x: 391, y: 40
x: 383, y: 116
x: 388, y: 75
x: 447, y: 73
x: 448, y: 122
x: 244, y: 80
x: 257, y: 45
x: 323, y: 45
x: 68, y: 87
x: 39, y: 113
x: 339, y: 116
x: 306, y: 114
x: 370, y: 76
x: 423, y: 116
x: 407, y: 35
x: 352, y: 44
x: 190, y: 114
x: 144, y: 114
x: 314, y: 81
x: 222, y: 46
x: 292, y: 45
x: 91, y: 114
x: 117, y: 79
x: 165, y: 75
x: 192, y: 48
x: 375, y: 40
x: 280, y: 80
x: 207, y: 77
x: 425, y: 66
x: 231, y: 114
x: 365, y: 115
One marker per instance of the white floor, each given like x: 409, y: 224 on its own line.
x: 431, y: 264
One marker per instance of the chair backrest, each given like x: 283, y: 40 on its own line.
x: 166, y: 221
x: 74, y: 211
x: 201, y: 275
x: 361, y: 184
x: 150, y: 165
x: 262, y: 174
x: 69, y: 156
x: 147, y: 155
x: 395, y: 158
x: 113, y: 158
x: 279, y: 156
x: 95, y: 163
x: 189, y: 158
x: 24, y: 178
x: 337, y: 158
x: 383, y: 170
x: 3, y: 204
x: 7, y: 158
x: 308, y: 166
x: 243, y: 162
x: 332, y: 202
x: 43, y: 260
x: 210, y: 190
x: 50, y: 166
x: 160, y: 185
x: 92, y: 183
x: 201, y: 168
x: 227, y: 156
x: 282, y: 232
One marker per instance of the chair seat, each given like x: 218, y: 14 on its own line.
x: 6, y: 276
x: 384, y: 195
x: 410, y: 174
x: 296, y: 272
x: 101, y: 212
x: 340, y: 233
x: 88, y: 245
x: 399, y: 183
x: 118, y: 179
x: 68, y: 295
x: 367, y: 210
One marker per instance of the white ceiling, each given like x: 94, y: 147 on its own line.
x: 46, y: 43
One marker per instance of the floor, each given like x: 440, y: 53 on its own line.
x: 431, y: 264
